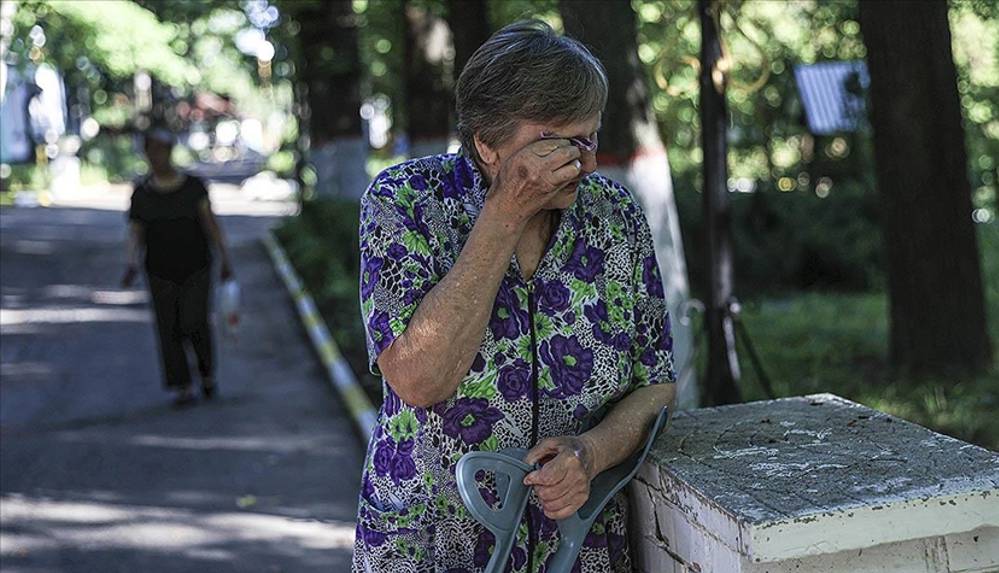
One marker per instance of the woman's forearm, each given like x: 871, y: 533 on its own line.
x: 624, y: 428
x: 426, y: 363
x: 214, y: 231
x: 218, y: 239
x: 133, y: 245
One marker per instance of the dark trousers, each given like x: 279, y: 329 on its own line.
x: 182, y: 316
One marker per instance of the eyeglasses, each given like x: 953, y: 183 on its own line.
x: 583, y: 143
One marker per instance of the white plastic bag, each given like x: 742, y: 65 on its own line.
x: 229, y: 306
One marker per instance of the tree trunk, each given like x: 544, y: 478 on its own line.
x: 469, y: 22
x: 632, y: 152
x: 331, y: 69
x: 937, y: 312
x: 723, y: 365
x: 428, y: 89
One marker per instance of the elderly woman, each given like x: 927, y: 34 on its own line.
x: 509, y: 293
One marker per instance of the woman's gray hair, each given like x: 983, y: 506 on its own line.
x: 526, y: 72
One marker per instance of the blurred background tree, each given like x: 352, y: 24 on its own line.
x: 938, y: 322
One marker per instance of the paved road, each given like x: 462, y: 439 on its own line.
x: 97, y: 473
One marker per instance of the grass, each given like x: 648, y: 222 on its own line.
x: 838, y: 343
x: 832, y: 342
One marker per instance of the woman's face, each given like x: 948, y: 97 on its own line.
x: 529, y: 132
x: 158, y: 154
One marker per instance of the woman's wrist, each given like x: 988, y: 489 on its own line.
x: 502, y: 221
x: 585, y: 449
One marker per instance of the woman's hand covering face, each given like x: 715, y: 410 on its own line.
x: 529, y: 178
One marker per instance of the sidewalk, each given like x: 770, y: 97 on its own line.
x: 97, y: 473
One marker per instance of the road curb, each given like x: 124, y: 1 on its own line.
x: 337, y: 370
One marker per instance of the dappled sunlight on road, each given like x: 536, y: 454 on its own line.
x: 76, y: 315
x: 173, y: 532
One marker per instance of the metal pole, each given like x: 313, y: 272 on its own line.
x: 723, y: 365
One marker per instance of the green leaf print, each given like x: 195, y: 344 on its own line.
x: 403, y: 426
x: 544, y: 326
x: 413, y: 513
x: 441, y: 504
x: 484, y: 387
x: 581, y: 291
x: 396, y: 324
x: 404, y: 547
x: 540, y: 550
x: 524, y: 348
x: 415, y: 243
x: 640, y: 374
x: 617, y: 315
x: 367, y: 305
x: 545, y: 381
x: 522, y: 296
x: 490, y: 444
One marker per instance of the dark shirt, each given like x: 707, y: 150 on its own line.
x: 176, y: 243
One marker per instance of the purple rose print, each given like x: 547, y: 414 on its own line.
x: 370, y: 536
x: 395, y: 460
x: 384, y: 185
x: 571, y: 364
x: 554, y: 296
x: 369, y: 275
x: 478, y: 363
x: 666, y: 340
x: 518, y: 557
x: 585, y: 262
x: 648, y: 357
x: 367, y: 488
x: 514, y: 380
x: 418, y: 182
x: 463, y: 172
x: 483, y: 548
x: 453, y: 184
x: 596, y: 313
x: 615, y: 546
x: 650, y: 275
x: 546, y: 526
x: 396, y: 251
x: 379, y: 330
x: 621, y: 341
x: 391, y: 403
x: 471, y: 420
x: 509, y: 320
x: 594, y: 539
x: 417, y: 221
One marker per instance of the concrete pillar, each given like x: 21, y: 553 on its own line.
x: 814, y: 483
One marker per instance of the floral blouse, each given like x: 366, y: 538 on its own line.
x: 588, y: 328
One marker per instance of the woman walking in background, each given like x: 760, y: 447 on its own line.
x: 171, y: 220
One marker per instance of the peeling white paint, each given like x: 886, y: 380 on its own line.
x: 754, y: 451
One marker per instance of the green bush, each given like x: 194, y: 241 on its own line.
x: 793, y: 241
x: 322, y: 243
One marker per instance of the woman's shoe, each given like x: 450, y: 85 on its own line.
x: 208, y: 388
x: 185, y: 398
